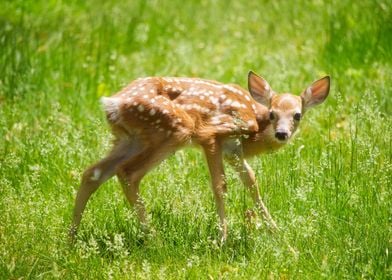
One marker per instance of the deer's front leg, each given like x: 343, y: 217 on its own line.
x: 248, y: 178
x: 234, y: 155
x: 215, y: 165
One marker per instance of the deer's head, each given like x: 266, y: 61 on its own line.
x: 286, y: 110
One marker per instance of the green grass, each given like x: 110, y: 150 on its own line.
x: 329, y: 190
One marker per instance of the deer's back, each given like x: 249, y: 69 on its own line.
x: 182, y: 107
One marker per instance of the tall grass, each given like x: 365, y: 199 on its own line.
x: 329, y: 190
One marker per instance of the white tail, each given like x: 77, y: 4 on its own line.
x: 111, y: 107
x: 153, y: 117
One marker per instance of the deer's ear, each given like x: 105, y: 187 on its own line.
x: 316, y: 93
x: 259, y: 89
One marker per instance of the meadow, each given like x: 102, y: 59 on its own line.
x: 329, y: 190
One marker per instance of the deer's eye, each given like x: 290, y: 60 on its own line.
x: 271, y: 115
x: 297, y: 116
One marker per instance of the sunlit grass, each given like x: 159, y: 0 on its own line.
x: 329, y: 190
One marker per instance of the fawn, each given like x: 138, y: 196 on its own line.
x: 153, y: 117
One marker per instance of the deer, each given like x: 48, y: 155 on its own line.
x: 153, y: 117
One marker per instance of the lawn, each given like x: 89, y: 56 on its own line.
x: 329, y: 190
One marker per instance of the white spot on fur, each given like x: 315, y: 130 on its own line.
x: 251, y: 123
x: 215, y: 122
x: 152, y: 112
x: 140, y: 108
x: 214, y: 100
x: 235, y: 104
x: 96, y: 174
x: 227, y: 102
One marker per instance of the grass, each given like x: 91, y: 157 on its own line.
x: 329, y: 190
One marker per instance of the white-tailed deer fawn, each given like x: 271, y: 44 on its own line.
x: 153, y: 117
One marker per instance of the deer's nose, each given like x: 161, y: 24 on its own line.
x: 281, y: 135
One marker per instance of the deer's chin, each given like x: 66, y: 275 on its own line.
x: 282, y: 141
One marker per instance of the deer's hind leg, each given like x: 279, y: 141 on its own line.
x: 132, y: 172
x: 97, y: 174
